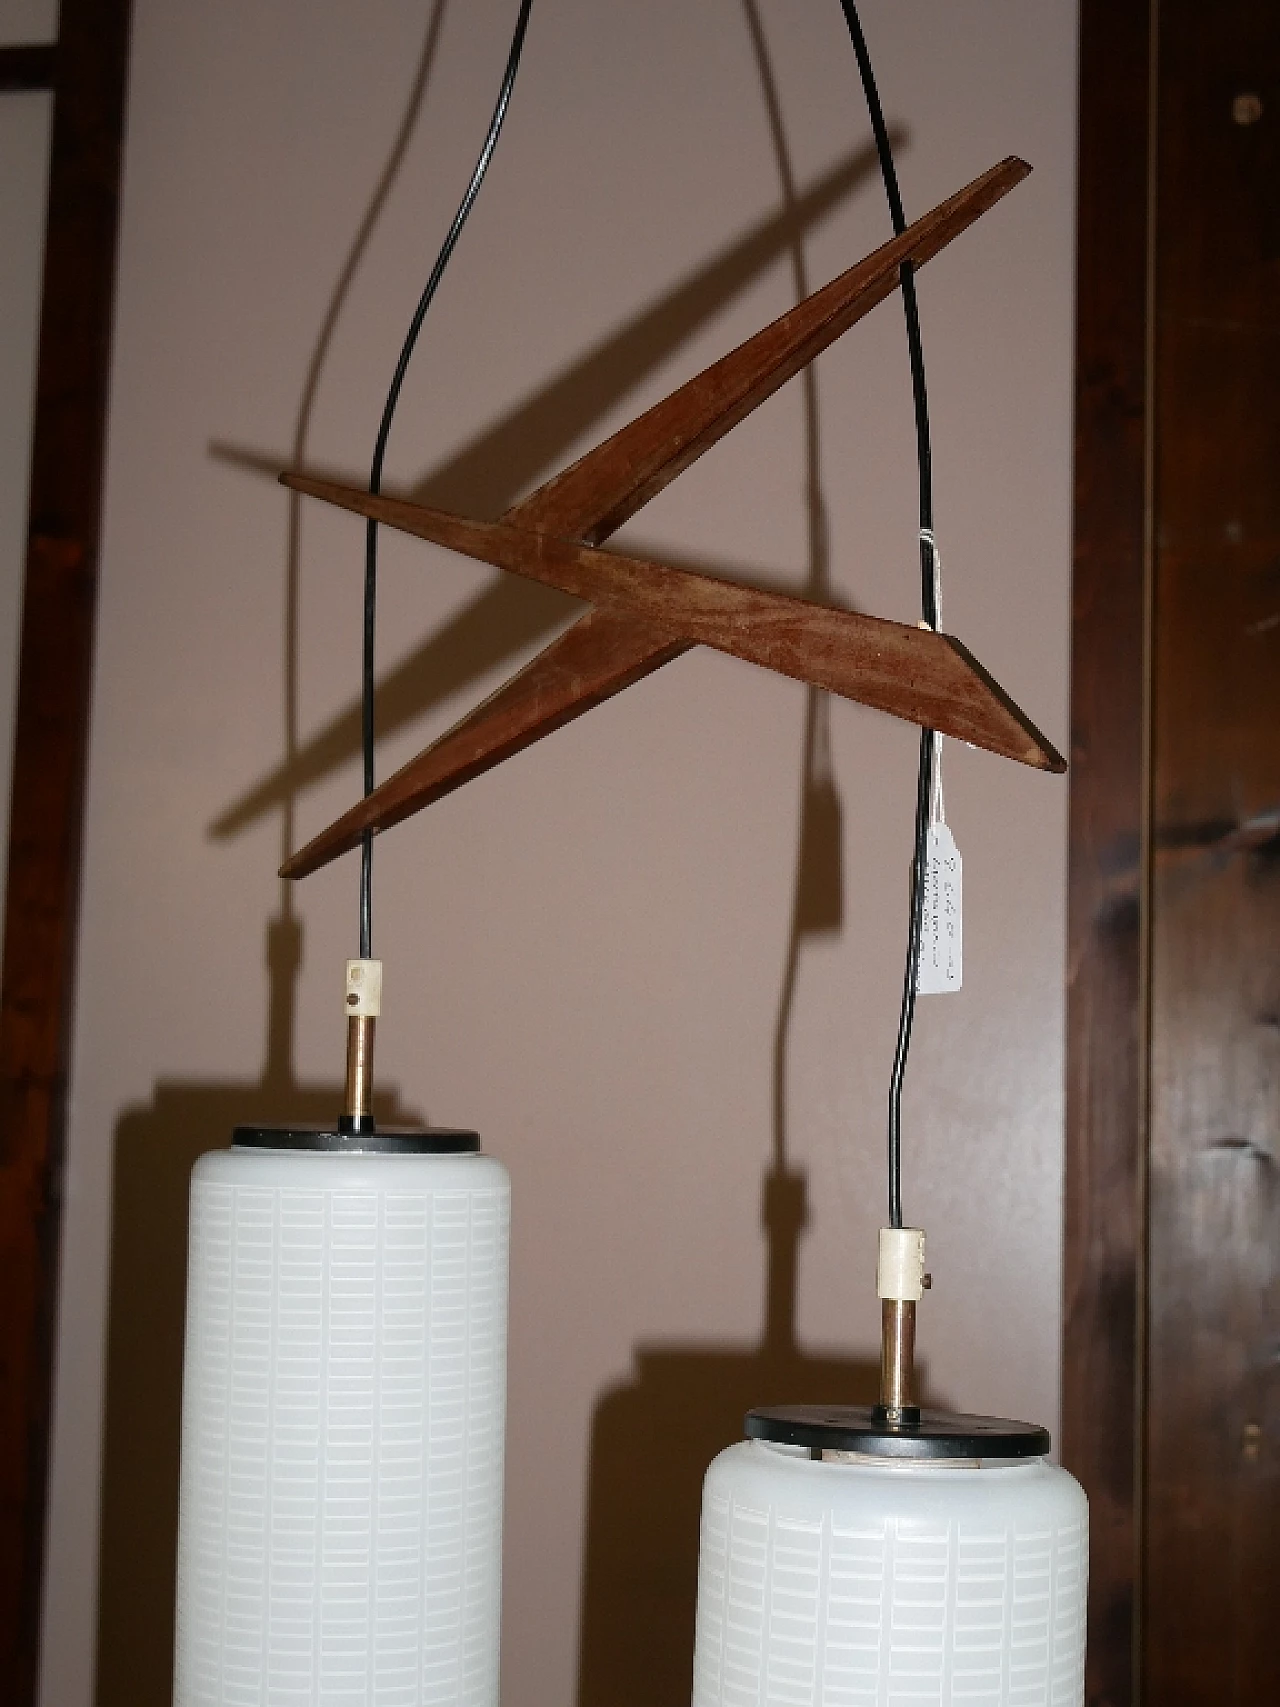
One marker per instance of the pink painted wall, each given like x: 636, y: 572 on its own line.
x: 595, y: 954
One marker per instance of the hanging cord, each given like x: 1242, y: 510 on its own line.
x: 929, y: 605
x: 380, y: 451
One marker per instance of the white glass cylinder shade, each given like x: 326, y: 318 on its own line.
x: 342, y: 1431
x: 862, y: 1584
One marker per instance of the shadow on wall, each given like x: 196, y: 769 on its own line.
x: 155, y: 1150
x: 497, y: 468
x: 653, y: 1438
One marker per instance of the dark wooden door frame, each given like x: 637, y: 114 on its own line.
x: 1103, y: 1403
x: 86, y: 70
x: 1169, y: 1387
x: 1212, y: 1464
x: 25, y: 68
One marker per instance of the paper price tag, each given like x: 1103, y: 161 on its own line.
x: 940, y: 967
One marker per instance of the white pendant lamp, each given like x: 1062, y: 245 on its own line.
x: 849, y: 1577
x: 344, y: 1395
x: 885, y: 1556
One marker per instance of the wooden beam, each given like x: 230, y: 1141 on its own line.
x: 1102, y: 1378
x: 54, y: 673
x: 25, y: 68
x: 1212, y: 1464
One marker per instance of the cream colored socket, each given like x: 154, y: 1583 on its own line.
x: 364, y: 989
x: 900, y: 1272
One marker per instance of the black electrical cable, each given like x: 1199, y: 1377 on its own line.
x: 928, y: 601
x: 380, y: 451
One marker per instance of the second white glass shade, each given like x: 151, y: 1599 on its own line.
x: 865, y: 1584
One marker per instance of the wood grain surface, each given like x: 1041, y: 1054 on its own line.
x: 602, y: 654
x: 1213, y: 1448
x: 913, y: 673
x: 1105, y: 1210
x: 606, y: 487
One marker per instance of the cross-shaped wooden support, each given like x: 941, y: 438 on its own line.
x: 645, y: 613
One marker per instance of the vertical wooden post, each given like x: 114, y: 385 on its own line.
x: 1102, y: 1402
x: 1172, y: 1373
x: 1213, y: 1459
x: 55, y: 667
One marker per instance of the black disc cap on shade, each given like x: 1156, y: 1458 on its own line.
x: 860, y: 1428
x: 385, y: 1140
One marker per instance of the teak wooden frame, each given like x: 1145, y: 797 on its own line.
x: 647, y: 613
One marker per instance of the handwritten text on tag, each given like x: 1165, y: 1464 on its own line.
x: 939, y: 968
